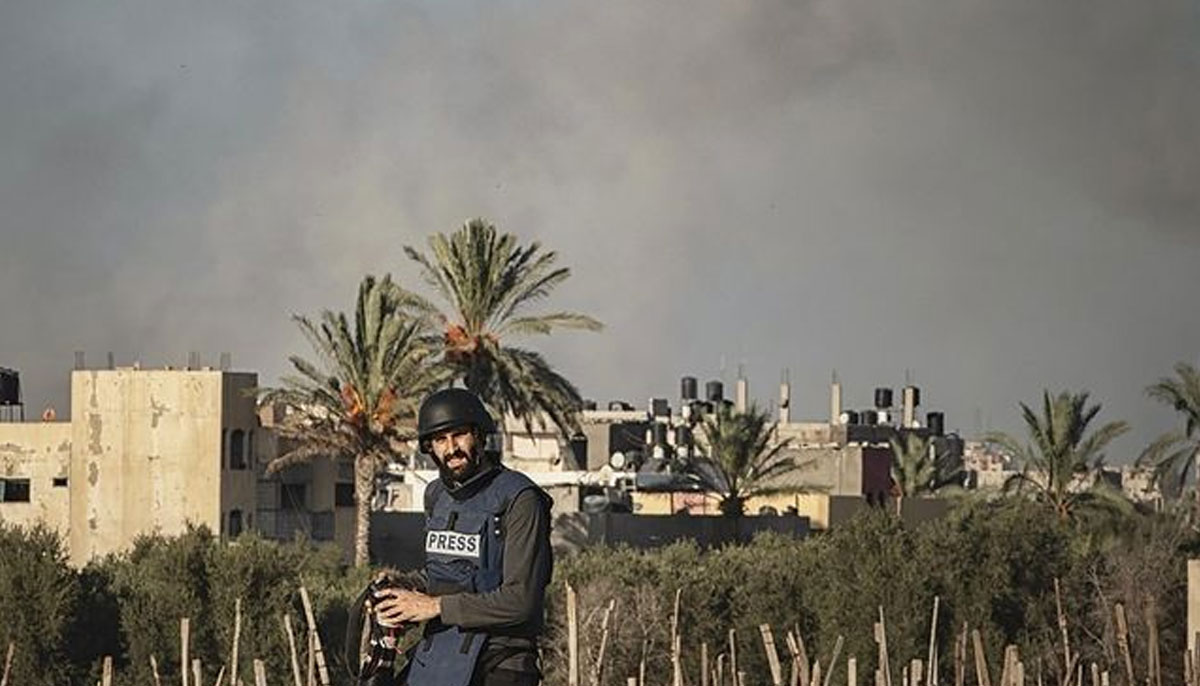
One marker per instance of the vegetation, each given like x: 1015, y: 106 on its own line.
x: 1176, y: 454
x: 487, y: 283
x: 918, y: 470
x: 358, y: 399
x: 1059, y: 468
x: 744, y: 458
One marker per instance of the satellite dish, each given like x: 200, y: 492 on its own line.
x: 617, y: 460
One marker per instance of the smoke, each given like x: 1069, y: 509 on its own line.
x: 998, y: 195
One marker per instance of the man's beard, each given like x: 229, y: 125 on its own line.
x: 460, y: 465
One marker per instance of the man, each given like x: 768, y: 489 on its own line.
x: 488, y: 557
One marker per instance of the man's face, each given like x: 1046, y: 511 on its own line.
x: 455, y: 450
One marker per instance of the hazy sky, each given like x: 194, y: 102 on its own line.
x: 998, y: 195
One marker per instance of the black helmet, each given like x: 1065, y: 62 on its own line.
x: 451, y: 407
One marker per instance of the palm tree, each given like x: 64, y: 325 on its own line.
x: 744, y: 458
x: 1062, y: 465
x: 1174, y: 454
x: 487, y: 284
x: 358, y: 399
x: 917, y: 469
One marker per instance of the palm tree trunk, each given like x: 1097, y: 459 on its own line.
x: 364, y: 490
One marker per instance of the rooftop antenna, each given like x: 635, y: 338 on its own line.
x: 112, y: 364
x: 80, y: 361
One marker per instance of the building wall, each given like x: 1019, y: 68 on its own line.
x: 239, y: 422
x: 147, y: 448
x: 41, y: 453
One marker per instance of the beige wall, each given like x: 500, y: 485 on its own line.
x: 41, y: 453
x: 147, y: 455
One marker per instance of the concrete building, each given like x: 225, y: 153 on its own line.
x: 154, y: 450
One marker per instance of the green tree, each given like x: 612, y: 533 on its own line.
x: 744, y: 458
x: 357, y: 401
x: 487, y: 283
x: 1175, y: 454
x: 918, y: 470
x: 38, y: 596
x: 1059, y: 468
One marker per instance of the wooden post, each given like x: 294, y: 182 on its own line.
x: 981, y: 668
x: 960, y: 657
x: 1153, y: 657
x: 154, y: 671
x: 631, y: 681
x: 1193, y: 605
x: 318, y: 655
x: 106, y: 673
x: 676, y: 646
x: 234, y: 672
x: 768, y: 640
x: 1095, y: 674
x: 8, y: 663
x: 915, y: 671
x: 703, y: 664
x: 733, y: 665
x: 220, y: 676
x: 598, y: 670
x: 291, y: 637
x: 1062, y: 627
x: 572, y: 638
x: 852, y: 672
x: 196, y: 672
x: 933, y: 641
x: 1123, y: 642
x: 720, y: 671
x: 260, y: 673
x: 185, y: 639
x: 883, y: 651
x: 833, y: 659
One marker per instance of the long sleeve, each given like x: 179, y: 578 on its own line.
x: 520, y: 599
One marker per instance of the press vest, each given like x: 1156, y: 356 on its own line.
x: 464, y: 553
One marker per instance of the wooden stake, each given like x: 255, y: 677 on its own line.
x: 7, y: 663
x: 833, y: 659
x: 572, y: 638
x: 794, y: 652
x: 260, y: 673
x: 768, y: 640
x: 598, y: 670
x: 960, y: 657
x: 915, y: 672
x: 1153, y: 657
x: 1123, y: 642
x: 291, y: 638
x: 883, y: 651
x: 220, y: 676
x: 234, y: 672
x: 322, y: 671
x: 981, y: 668
x: 703, y: 664
x: 185, y: 639
x: 631, y: 681
x: 107, y: 674
x: 720, y: 671
x: 676, y: 645
x: 154, y: 671
x: 196, y: 672
x: 312, y: 659
x: 852, y: 672
x: 733, y: 670
x: 933, y: 641
x: 1062, y: 627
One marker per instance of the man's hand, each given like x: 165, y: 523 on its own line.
x: 399, y: 606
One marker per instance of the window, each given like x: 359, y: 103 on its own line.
x: 235, y: 523
x: 237, y: 450
x: 292, y: 496
x: 14, y: 490
x: 343, y: 495
x: 60, y: 481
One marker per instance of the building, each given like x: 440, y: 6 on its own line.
x: 152, y: 450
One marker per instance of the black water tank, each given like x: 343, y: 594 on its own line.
x: 659, y: 407
x: 883, y: 398
x: 869, y: 417
x: 936, y: 421
x: 714, y: 391
x: 687, y: 388
x: 851, y: 417
x: 619, y: 406
x: 683, y: 435
x: 658, y: 433
x: 10, y: 387
x: 579, y: 450
x: 589, y: 404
